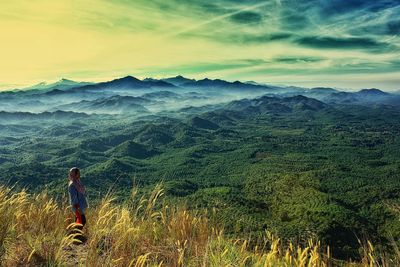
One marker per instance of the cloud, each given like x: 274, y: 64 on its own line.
x: 235, y: 12
x: 395, y: 64
x: 298, y: 59
x: 247, y: 17
x: 241, y: 38
x: 390, y: 27
x: 202, y: 67
x: 334, y: 7
x: 393, y: 27
x: 330, y: 42
x: 195, y: 36
x: 292, y: 20
x: 260, y: 38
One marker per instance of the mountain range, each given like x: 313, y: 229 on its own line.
x: 290, y: 159
x: 130, y: 95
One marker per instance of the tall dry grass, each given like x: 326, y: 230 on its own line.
x: 36, y: 231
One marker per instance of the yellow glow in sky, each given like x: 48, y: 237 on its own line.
x: 99, y: 40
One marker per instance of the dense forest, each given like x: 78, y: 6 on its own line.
x: 297, y: 162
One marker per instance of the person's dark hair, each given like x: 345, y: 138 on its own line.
x: 74, y: 170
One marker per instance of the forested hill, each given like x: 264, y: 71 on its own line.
x: 296, y: 162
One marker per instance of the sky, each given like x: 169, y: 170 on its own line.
x: 348, y: 44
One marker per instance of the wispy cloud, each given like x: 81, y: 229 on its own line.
x: 237, y: 16
x: 230, y: 38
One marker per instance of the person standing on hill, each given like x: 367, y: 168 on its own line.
x: 77, y: 196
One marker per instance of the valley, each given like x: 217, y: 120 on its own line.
x: 295, y: 161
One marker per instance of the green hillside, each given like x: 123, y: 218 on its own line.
x: 293, y: 166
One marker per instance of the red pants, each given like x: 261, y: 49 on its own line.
x: 80, y: 218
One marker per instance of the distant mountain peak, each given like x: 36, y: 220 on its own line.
x: 127, y: 78
x: 252, y: 82
x: 60, y: 84
x: 300, y: 98
x: 372, y: 91
x: 38, y: 85
x: 124, y: 81
x: 178, y: 80
x: 148, y: 79
x: 323, y: 89
x: 64, y: 80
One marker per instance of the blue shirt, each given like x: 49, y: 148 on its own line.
x: 76, y: 197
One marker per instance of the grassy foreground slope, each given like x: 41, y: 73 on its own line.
x: 143, y: 231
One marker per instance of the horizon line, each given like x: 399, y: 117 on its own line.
x: 30, y: 86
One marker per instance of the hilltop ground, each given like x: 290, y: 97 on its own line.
x: 138, y: 233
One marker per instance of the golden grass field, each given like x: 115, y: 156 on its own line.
x: 35, y: 232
